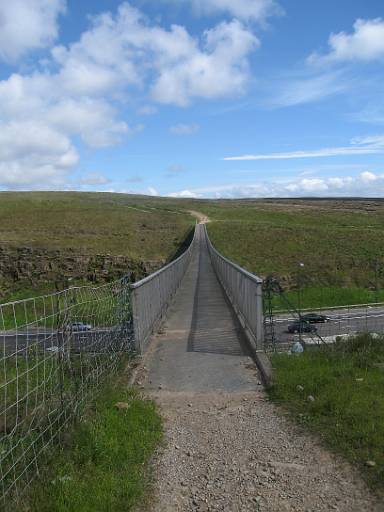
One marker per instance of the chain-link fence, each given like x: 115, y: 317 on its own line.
x: 55, y: 350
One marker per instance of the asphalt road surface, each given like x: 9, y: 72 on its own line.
x: 95, y: 340
x: 342, y: 321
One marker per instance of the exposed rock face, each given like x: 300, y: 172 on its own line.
x: 33, y: 267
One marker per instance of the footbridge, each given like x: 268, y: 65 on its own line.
x: 209, y: 305
x: 56, y: 349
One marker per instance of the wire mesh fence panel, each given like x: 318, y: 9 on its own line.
x: 55, y: 350
x: 244, y: 291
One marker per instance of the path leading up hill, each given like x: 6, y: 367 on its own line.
x: 227, y: 448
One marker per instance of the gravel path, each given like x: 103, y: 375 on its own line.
x: 236, y: 452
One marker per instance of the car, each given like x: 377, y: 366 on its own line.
x: 80, y: 326
x: 301, y: 326
x: 314, y: 318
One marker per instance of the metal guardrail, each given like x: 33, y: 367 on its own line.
x: 151, y: 296
x: 244, y: 290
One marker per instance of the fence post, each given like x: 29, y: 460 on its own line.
x: 136, y: 334
x: 259, y: 317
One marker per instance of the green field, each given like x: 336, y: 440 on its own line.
x: 340, y: 243
x: 140, y: 227
x: 61, y: 227
x: 345, y: 382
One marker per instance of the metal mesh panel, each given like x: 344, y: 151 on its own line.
x: 244, y: 291
x: 55, y: 349
x: 152, y: 295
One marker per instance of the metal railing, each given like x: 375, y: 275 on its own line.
x: 55, y: 350
x: 151, y: 296
x: 244, y: 290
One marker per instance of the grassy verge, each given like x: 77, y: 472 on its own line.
x: 104, y: 464
x: 346, y: 382
x: 325, y: 297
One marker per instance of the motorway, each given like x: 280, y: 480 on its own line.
x: 342, y: 321
x: 94, y: 340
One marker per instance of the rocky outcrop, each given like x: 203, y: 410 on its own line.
x: 34, y: 267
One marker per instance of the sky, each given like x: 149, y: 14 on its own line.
x: 193, y: 98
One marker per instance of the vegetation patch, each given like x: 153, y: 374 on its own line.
x: 104, y: 464
x: 338, y: 392
x: 331, y: 250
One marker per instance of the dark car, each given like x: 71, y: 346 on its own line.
x: 80, y: 326
x: 314, y: 318
x: 300, y: 326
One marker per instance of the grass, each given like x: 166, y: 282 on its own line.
x: 346, y: 381
x: 323, y: 297
x: 104, y: 464
x: 340, y: 242
x: 92, y: 223
x: 46, y: 237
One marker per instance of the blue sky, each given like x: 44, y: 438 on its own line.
x: 193, y: 98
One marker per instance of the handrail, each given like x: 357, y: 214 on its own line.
x: 151, y: 296
x: 146, y: 279
x: 245, y: 292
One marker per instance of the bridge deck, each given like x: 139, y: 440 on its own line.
x: 202, y: 346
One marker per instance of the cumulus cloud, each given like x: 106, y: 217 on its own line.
x: 152, y: 191
x: 366, y: 184
x: 184, y: 129
x: 34, y: 155
x: 184, y: 193
x: 217, y: 68
x: 359, y: 146
x: 365, y: 43
x: 78, y: 93
x: 27, y: 25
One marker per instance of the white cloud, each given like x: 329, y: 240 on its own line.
x: 152, y: 191
x: 368, y: 177
x: 366, y: 184
x: 34, y: 155
x: 27, y: 25
x: 359, y: 146
x: 309, y: 88
x: 366, y: 43
x: 79, y: 93
x: 255, y: 10
x: 217, y: 69
x: 184, y: 129
x: 184, y: 193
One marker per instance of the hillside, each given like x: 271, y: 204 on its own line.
x: 48, y: 239
x: 340, y: 243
